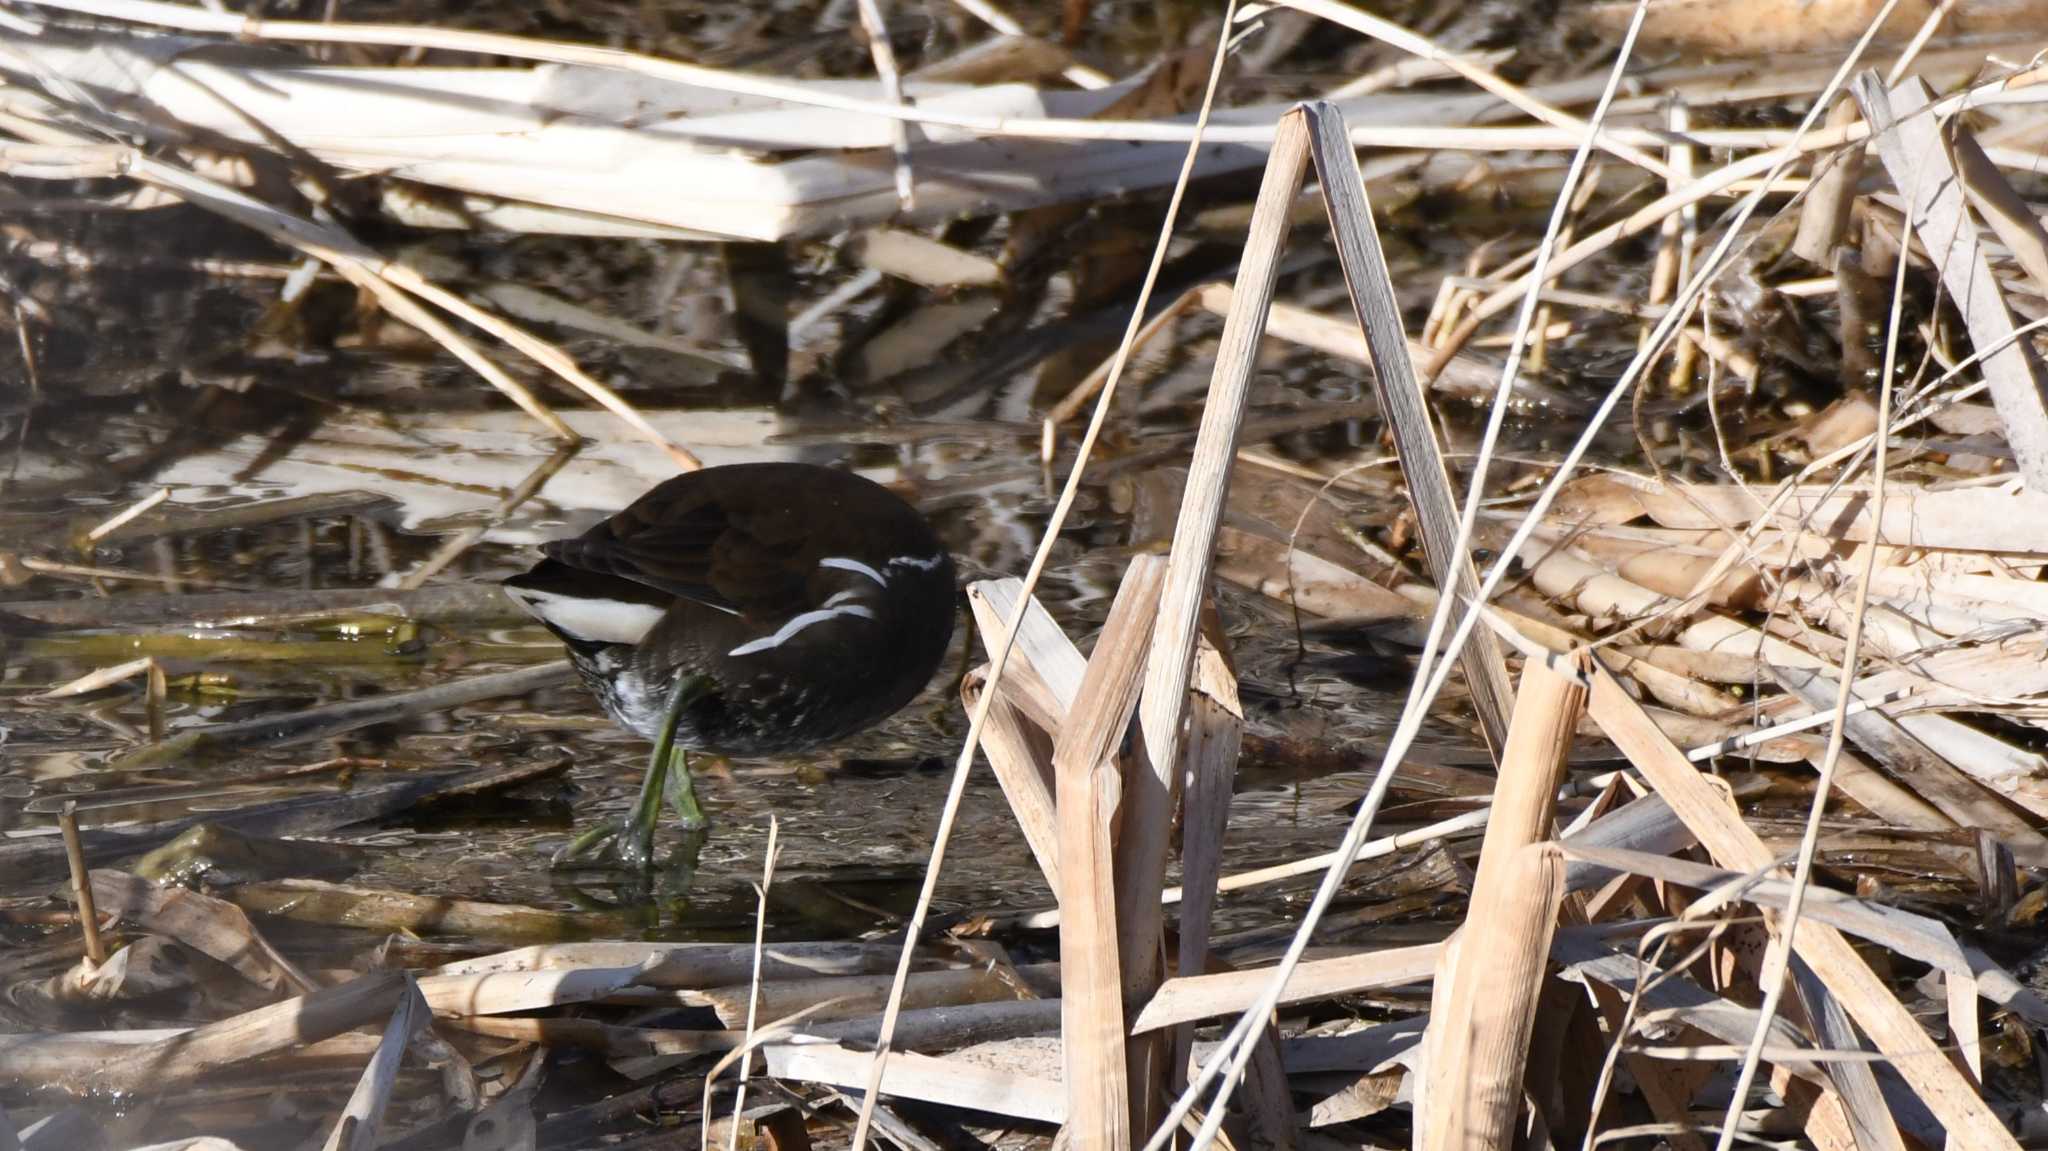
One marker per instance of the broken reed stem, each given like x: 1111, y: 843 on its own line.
x: 1477, y: 1096
x: 1017, y: 753
x: 1236, y: 1049
x: 1148, y: 811
x: 1909, y: 141
x: 81, y: 884
x: 357, y: 1128
x: 1475, y: 1088
x: 1092, y: 996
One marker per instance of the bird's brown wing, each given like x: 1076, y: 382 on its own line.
x: 736, y: 552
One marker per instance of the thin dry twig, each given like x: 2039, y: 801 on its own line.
x: 739, y: 1101
x: 877, y: 29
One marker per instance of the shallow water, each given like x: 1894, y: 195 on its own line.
x: 407, y: 451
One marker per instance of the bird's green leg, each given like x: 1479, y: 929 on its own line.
x: 668, y: 762
x: 635, y: 834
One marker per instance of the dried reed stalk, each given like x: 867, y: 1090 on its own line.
x: 1018, y: 737
x: 1475, y: 1085
x: 81, y: 883
x: 1209, y: 765
x: 1186, y: 998
x: 1085, y: 770
x: 999, y: 657
x: 210, y: 926
x: 1825, y: 217
x: 1020, y: 755
x: 753, y: 1013
x: 1475, y: 1069
x: 251, y: 1035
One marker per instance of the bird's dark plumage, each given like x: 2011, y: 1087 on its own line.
x: 814, y: 602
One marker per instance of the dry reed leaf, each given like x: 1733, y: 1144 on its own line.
x: 1599, y: 498
x: 357, y: 1129
x: 1924, y: 773
x: 1965, y: 519
x: 1310, y: 582
x: 1764, y: 28
x: 503, y: 992
x: 850, y: 996
x: 207, y: 925
x: 688, y: 965
x: 1951, y: 1097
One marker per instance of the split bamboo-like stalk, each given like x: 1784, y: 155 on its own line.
x: 1085, y: 770
x: 1406, y: 409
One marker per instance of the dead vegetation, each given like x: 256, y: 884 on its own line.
x: 1758, y: 659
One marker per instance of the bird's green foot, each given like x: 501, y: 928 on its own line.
x: 668, y: 778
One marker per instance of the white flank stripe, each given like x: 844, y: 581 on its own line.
x: 592, y: 620
x: 797, y: 624
x: 921, y: 563
x: 849, y: 565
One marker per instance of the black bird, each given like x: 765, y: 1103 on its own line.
x: 749, y: 609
